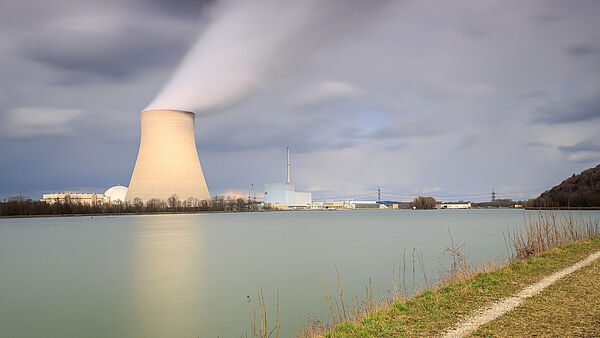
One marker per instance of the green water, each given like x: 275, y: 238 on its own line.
x: 191, y: 275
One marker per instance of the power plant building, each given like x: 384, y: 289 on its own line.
x: 453, y: 206
x: 167, y: 162
x: 284, y: 193
x: 73, y: 197
x: 115, y: 194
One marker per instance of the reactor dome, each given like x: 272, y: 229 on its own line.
x: 116, y: 193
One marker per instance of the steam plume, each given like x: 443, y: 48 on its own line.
x: 244, y: 45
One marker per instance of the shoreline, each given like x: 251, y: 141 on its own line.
x: 133, y: 214
x: 274, y: 210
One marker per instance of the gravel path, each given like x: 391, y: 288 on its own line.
x: 497, y: 309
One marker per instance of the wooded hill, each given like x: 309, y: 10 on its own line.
x: 578, y: 191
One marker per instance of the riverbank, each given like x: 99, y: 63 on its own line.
x: 135, y: 213
x: 432, y: 312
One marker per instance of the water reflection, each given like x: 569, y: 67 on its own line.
x: 168, y: 274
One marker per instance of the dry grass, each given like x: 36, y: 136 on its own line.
x: 568, y: 308
x: 259, y: 325
x: 460, y: 270
x: 546, y: 230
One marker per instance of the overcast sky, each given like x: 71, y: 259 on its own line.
x: 441, y: 98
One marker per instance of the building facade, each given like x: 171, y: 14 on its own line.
x: 82, y: 198
x: 285, y: 193
x: 453, y: 206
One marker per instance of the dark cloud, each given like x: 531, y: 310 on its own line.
x: 443, y: 86
x: 259, y: 131
x: 592, y: 145
x: 116, y: 56
x: 187, y: 9
x: 546, y: 18
x: 582, y: 50
x: 568, y: 110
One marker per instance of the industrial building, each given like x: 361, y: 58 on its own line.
x: 74, y: 197
x: 115, y: 194
x: 284, y: 193
x: 453, y: 206
x: 364, y: 205
x: 112, y: 195
x: 167, y: 162
x: 333, y: 205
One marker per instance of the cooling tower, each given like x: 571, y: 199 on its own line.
x: 167, y: 161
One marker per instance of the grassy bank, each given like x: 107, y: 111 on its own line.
x: 433, y: 311
x: 546, y: 242
x: 568, y: 308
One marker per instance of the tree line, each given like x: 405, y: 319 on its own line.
x: 423, y: 202
x: 20, y: 206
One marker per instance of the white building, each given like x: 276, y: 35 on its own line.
x: 453, y: 206
x: 364, y: 205
x: 284, y: 193
x: 74, y: 197
x: 115, y: 194
x: 280, y: 193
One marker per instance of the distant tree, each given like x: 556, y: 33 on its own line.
x: 138, y: 204
x: 155, y: 205
x: 188, y: 204
x: 424, y: 202
x: 173, y: 202
x: 499, y: 203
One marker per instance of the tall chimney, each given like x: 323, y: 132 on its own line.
x: 167, y: 162
x: 288, y: 164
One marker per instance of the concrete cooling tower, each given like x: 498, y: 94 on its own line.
x: 167, y: 162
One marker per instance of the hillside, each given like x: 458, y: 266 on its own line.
x: 581, y: 190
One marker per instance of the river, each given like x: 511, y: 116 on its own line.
x: 196, y: 275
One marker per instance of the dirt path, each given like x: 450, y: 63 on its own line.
x: 497, y: 309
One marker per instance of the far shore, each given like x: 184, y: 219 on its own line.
x: 133, y: 214
x: 249, y: 211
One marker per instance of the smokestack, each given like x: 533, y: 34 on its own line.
x: 167, y: 162
x: 288, y: 164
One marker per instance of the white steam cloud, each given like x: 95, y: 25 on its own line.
x: 245, y: 46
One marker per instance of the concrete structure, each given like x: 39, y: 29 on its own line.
x: 392, y: 204
x: 333, y: 205
x: 167, y: 162
x: 453, y: 206
x: 302, y: 198
x: 278, y: 206
x: 364, y: 205
x: 74, y: 197
x: 281, y: 193
x: 285, y: 193
x: 115, y: 194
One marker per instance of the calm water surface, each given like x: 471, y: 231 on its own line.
x: 191, y: 275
